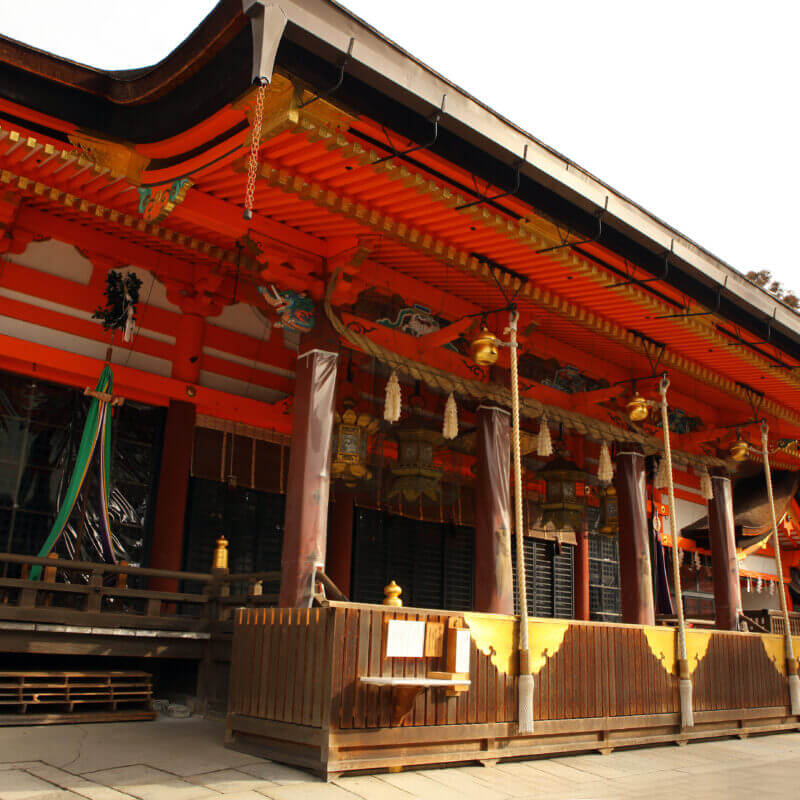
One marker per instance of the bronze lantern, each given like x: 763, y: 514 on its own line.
x: 563, y: 508
x: 349, y: 463
x: 484, y: 347
x: 415, y: 474
x: 609, y: 512
x: 637, y: 408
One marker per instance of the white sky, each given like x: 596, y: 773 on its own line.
x: 689, y: 107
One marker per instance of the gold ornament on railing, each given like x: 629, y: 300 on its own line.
x: 391, y: 595
x: 221, y: 554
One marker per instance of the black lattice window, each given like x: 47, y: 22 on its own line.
x: 431, y: 562
x: 604, y: 588
x: 549, y: 578
x: 251, y: 521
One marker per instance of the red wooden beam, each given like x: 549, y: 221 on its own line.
x: 30, y: 358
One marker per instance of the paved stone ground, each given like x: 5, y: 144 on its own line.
x: 185, y: 760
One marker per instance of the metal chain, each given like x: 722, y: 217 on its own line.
x: 255, y: 144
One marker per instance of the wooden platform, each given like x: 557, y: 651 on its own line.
x: 305, y: 689
x: 28, y: 698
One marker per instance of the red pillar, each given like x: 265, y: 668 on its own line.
x: 176, y: 456
x: 494, y: 586
x: 305, y: 529
x: 340, y: 540
x: 634, y: 541
x: 188, y: 348
x: 727, y: 590
x: 582, y: 576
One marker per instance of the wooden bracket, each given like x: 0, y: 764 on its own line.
x: 403, y: 699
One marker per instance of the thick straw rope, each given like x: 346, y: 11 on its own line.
x: 525, y: 680
x: 445, y: 382
x: 685, y: 682
x: 791, y: 664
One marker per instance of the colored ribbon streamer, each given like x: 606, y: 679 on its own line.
x: 97, y: 428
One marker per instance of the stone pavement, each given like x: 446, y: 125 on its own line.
x: 174, y: 759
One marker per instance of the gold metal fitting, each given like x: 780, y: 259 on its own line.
x: 484, y: 347
x: 637, y: 408
x: 392, y: 594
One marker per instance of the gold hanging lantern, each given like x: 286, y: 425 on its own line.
x: 349, y: 463
x: 637, y: 408
x: 739, y: 450
x: 484, y: 347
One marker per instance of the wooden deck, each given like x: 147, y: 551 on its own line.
x: 297, y: 694
x: 104, y: 612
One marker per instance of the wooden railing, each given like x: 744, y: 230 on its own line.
x: 771, y: 619
x: 95, y: 594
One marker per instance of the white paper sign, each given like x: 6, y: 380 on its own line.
x: 405, y: 639
x: 462, y: 651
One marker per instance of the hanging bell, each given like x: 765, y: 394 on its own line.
x: 484, y: 347
x: 739, y: 450
x: 637, y: 409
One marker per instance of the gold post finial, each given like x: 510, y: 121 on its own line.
x: 221, y: 554
x: 392, y: 594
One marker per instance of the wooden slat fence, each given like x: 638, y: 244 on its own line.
x: 303, y: 666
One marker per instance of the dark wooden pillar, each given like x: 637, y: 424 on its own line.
x: 494, y: 583
x: 634, y: 541
x: 173, y: 483
x: 340, y: 541
x: 176, y: 456
x: 306, y: 524
x: 727, y: 590
x: 582, y: 608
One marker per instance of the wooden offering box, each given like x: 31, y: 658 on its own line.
x: 344, y: 687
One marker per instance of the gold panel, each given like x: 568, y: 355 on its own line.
x: 497, y: 637
x: 663, y: 643
x: 121, y: 159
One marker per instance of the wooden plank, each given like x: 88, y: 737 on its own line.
x: 337, y: 665
x: 350, y: 644
x: 279, y: 650
x: 322, y: 702
x: 256, y: 654
x: 300, y: 672
x: 291, y: 662
x: 267, y: 662
x: 313, y: 663
x: 373, y: 696
x: 362, y: 668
